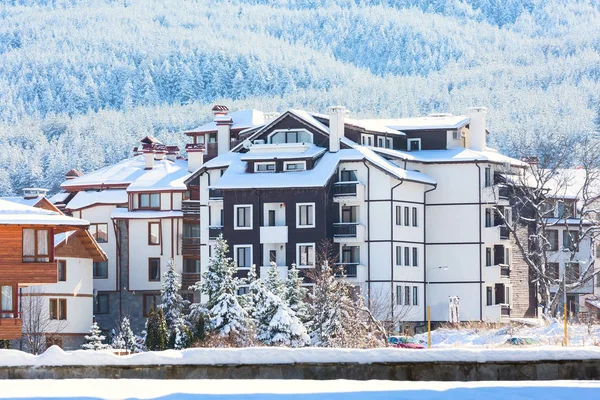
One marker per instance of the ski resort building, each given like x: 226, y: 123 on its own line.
x: 60, y: 313
x: 135, y: 213
x: 409, y: 205
x: 30, y: 255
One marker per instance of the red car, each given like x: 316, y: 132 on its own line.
x: 404, y: 342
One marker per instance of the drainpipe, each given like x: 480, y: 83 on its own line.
x: 425, y: 251
x: 368, y: 233
x: 392, y: 220
x: 480, y: 246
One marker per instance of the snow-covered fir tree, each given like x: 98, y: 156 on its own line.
x: 171, y: 301
x: 124, y: 337
x: 94, y: 339
x: 296, y: 294
x: 181, y: 336
x: 273, y: 282
x: 157, y: 334
x: 226, y: 316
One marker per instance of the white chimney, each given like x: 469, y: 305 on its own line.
x: 223, y: 122
x: 337, y: 116
x: 477, y: 135
x: 195, y: 154
x: 149, y: 157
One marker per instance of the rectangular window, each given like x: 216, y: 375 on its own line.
x: 398, y: 215
x: 150, y: 301
x: 154, y: 269
x: 349, y: 214
x: 6, y: 298
x: 488, y: 296
x: 99, y: 232
x: 350, y: 254
x: 570, y: 239
x: 367, y: 140
x: 399, y: 295
x: 565, y: 210
x: 406, y: 216
x: 264, y: 167
x: 191, y: 230
x: 488, y: 256
x: 488, y: 218
x: 191, y: 266
x: 572, y: 272
x: 271, y: 217
x: 36, y: 245
x: 62, y: 270
x: 305, y: 215
x: 273, y: 256
x: 488, y: 177
x: 243, y: 217
x: 294, y: 166
x: 243, y: 256
x: 242, y: 290
x: 507, y: 255
x: 348, y: 176
x: 407, y: 256
x: 398, y: 255
x: 415, y: 296
x: 552, y: 271
x: 57, y: 309
x: 552, y: 240
x: 415, y: 257
x: 100, y: 269
x: 414, y: 144
x: 306, y: 255
x: 407, y: 295
x: 414, y: 216
x: 153, y: 233
x: 149, y: 200
x: 101, y: 304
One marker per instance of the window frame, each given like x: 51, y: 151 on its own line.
x: 415, y: 217
x: 571, y: 238
x: 489, y: 259
x: 398, y: 215
x: 407, y: 295
x: 406, y: 256
x: 267, y: 163
x: 489, y: 296
x: 61, y: 270
x: 413, y: 140
x: 94, y: 232
x: 287, y: 163
x: 364, y: 136
x: 415, y: 256
x: 348, y: 171
x: 150, y: 224
x: 298, y: 258
x: 487, y: 177
x: 14, y: 299
x: 150, y: 206
x: 298, y: 215
x: 96, y: 308
x: 38, y: 257
x: 286, y: 131
x: 399, y: 295
x: 94, y: 263
x: 235, y: 255
x: 415, y: 295
x: 60, y: 306
x: 399, y: 256
x: 236, y: 226
x: 406, y: 216
x: 150, y: 260
x: 155, y: 301
x: 552, y: 241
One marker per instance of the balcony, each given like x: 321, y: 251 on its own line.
x: 497, y: 194
x: 29, y: 273
x: 504, y: 233
x: 10, y: 328
x: 504, y: 271
x: 273, y: 234
x: 215, y: 194
x: 348, y: 232
x: 503, y: 192
x: 190, y: 246
x: 504, y: 311
x: 191, y: 208
x: 188, y: 279
x: 349, y: 270
x: 214, y: 232
x: 345, y: 192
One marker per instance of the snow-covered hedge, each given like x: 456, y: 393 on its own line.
x: 270, y: 355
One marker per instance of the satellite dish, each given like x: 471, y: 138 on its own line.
x: 246, y: 144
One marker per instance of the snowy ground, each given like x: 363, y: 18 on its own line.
x: 544, y: 334
x: 295, y: 390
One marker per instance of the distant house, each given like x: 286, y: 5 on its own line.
x: 27, y: 256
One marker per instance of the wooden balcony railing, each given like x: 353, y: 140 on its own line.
x: 188, y: 279
x: 191, y: 207
x: 190, y: 246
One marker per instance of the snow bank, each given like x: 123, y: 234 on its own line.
x: 271, y: 355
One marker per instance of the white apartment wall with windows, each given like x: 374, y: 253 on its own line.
x: 101, y: 214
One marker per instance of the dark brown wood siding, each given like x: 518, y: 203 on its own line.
x: 430, y: 140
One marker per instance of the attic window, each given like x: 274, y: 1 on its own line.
x: 264, y: 167
x: 286, y: 136
x: 385, y: 142
x: 294, y: 165
x: 414, y: 144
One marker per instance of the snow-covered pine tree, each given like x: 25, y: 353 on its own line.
x: 295, y: 294
x: 226, y: 316
x: 94, y: 339
x: 171, y: 301
x: 124, y: 337
x: 156, y: 331
x: 274, y: 283
x: 181, y: 336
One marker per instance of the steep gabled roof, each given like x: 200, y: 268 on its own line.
x: 19, y: 214
x: 78, y: 244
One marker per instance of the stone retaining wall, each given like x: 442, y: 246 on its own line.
x: 422, y: 371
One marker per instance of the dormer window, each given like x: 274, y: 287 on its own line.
x: 294, y: 165
x: 288, y: 136
x: 367, y: 140
x: 385, y: 142
x: 264, y: 167
x: 149, y: 200
x: 414, y: 144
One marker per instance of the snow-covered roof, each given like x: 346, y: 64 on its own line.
x: 131, y: 172
x: 569, y: 184
x: 123, y: 213
x: 59, y: 197
x: 371, y: 125
x: 242, y: 119
x: 61, y: 237
x: 31, y: 202
x: 18, y: 214
x: 458, y: 154
x: 288, y: 151
x: 440, y: 121
x: 84, y: 199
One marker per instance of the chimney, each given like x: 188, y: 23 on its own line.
x: 337, y: 116
x: 32, y: 193
x: 159, y: 154
x: 223, y: 122
x: 477, y: 135
x: 172, y: 153
x: 195, y: 156
x: 149, y: 157
x: 72, y: 174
